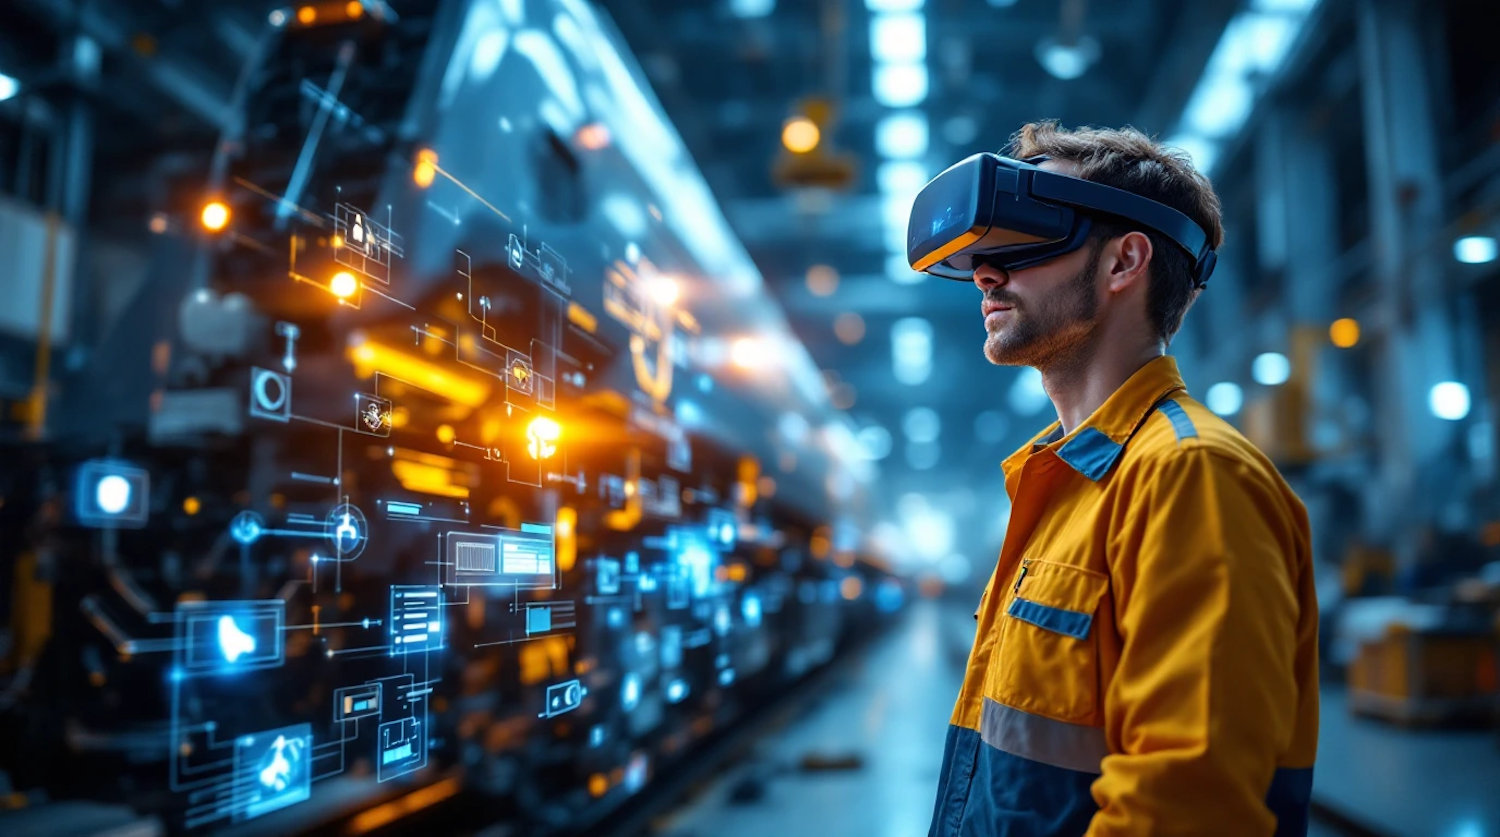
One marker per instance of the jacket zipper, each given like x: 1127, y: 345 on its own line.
x: 1025, y: 565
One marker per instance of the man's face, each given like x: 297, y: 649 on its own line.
x: 1039, y: 313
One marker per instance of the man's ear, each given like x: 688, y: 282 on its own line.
x: 1128, y: 258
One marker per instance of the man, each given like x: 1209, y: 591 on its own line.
x: 1145, y: 661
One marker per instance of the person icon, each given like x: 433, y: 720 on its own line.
x: 357, y: 234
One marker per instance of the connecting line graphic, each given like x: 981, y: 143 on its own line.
x: 473, y: 194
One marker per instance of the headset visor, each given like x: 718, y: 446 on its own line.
x: 1013, y: 214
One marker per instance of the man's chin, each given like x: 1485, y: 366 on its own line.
x: 996, y: 352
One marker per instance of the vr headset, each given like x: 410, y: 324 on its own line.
x: 990, y: 209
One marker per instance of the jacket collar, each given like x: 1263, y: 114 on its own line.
x: 1094, y: 446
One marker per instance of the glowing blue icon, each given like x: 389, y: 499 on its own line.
x: 563, y: 697
x: 273, y: 769
x: 750, y: 609
x: 677, y: 691
x: 112, y: 494
x: 630, y: 693
x: 247, y: 527
x: 279, y: 760
x: 233, y: 642
x: 219, y: 638
x: 346, y: 528
x: 726, y: 677
x: 596, y: 736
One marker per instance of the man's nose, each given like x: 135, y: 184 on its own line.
x: 988, y: 276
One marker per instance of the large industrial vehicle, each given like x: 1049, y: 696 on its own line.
x: 451, y: 466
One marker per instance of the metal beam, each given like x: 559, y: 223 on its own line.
x: 186, y: 82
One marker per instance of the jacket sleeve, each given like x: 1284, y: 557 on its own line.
x: 1204, y: 696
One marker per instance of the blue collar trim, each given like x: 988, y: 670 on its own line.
x: 1091, y: 453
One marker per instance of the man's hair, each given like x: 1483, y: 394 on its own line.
x: 1128, y: 159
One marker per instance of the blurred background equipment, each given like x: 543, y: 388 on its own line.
x: 519, y: 417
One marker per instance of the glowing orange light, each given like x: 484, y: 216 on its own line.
x: 445, y: 434
x: 541, y: 437
x: 158, y: 224
x: 1344, y: 333
x: 598, y: 784
x: 822, y: 280
x: 426, y: 170
x: 344, y: 284
x: 215, y: 216
x: 851, y: 587
x: 593, y: 136
x: 354, y: 9
x: 306, y: 15
x: 565, y: 545
x: 800, y: 135
x: 337, y: 241
x: 849, y: 327
x: 191, y: 505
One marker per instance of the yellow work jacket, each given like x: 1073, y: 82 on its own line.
x: 1146, y: 655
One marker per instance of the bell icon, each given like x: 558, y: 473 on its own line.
x: 234, y: 642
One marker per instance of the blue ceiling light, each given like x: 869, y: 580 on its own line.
x: 901, y: 136
x: 1271, y: 369
x: 880, y: 6
x: 751, y: 8
x: 900, y: 85
x: 1200, y: 150
x: 1067, y: 61
x: 1251, y: 50
x: 1225, y: 398
x: 1475, y: 249
x: 899, y: 37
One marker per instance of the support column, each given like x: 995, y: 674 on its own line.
x: 1413, y: 337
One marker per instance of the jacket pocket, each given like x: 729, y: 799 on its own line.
x: 1050, y: 651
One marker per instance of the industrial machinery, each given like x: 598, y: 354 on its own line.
x: 451, y: 461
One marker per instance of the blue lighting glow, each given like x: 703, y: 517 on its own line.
x: 900, y: 85
x: 112, y: 494
x: 1271, y: 369
x: 234, y: 642
x: 902, y: 135
x: 1449, y: 401
x: 677, y: 691
x: 1476, y: 249
x: 630, y: 692
x: 1225, y: 398
x: 898, y: 37
x: 750, y: 609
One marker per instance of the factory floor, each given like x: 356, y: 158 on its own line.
x: 1379, y: 779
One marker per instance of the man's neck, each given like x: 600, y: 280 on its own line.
x: 1080, y: 385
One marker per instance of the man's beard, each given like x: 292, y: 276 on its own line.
x: 1058, y: 324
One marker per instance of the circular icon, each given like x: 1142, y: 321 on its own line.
x: 247, y: 527
x: 347, y: 531
x: 270, y: 392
